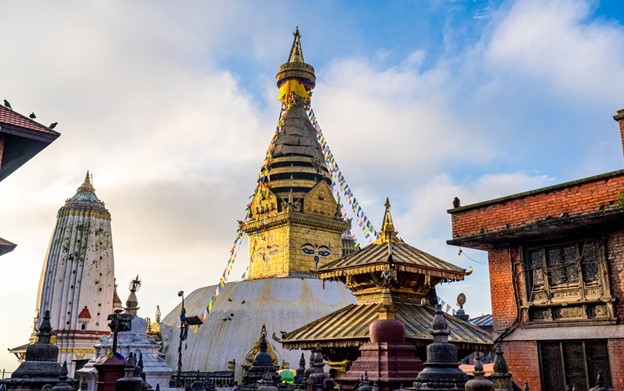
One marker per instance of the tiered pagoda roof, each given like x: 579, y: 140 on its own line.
x: 390, y: 279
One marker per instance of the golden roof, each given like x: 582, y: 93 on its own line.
x: 391, y: 252
x: 348, y: 327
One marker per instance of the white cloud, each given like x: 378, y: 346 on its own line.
x: 556, y: 43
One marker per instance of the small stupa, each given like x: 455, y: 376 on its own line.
x: 41, y: 369
x: 441, y: 371
x: 262, y: 366
x: 479, y: 383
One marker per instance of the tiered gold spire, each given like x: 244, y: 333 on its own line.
x: 295, y: 79
x: 388, y: 233
x: 86, y: 184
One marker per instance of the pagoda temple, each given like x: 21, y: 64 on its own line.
x: 294, y: 228
x: 77, y: 281
x: 390, y: 280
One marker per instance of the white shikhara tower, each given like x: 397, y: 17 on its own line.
x: 78, y: 278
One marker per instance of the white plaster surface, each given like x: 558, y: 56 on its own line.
x: 282, y: 304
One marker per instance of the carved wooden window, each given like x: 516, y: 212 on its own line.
x: 573, y: 363
x: 567, y: 282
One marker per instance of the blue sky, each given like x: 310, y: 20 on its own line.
x: 172, y: 106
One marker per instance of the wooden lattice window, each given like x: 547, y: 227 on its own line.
x: 573, y: 363
x: 566, y: 281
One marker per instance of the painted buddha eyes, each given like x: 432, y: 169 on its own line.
x: 317, y: 252
x: 324, y: 251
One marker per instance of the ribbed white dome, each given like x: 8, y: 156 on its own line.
x: 282, y: 304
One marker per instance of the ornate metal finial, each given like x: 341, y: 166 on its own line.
x: 135, y: 284
x: 86, y: 184
x: 461, y: 300
x: 296, y: 54
x: 387, y: 233
x: 526, y: 385
x: 117, y: 306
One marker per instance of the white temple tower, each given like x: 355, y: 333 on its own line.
x: 77, y: 282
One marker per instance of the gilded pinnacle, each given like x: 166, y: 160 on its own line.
x: 86, y: 185
x: 387, y: 233
x: 295, y: 67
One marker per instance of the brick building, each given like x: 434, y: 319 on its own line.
x: 556, y: 261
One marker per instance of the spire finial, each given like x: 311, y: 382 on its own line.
x: 295, y: 78
x: 387, y: 233
x: 86, y: 184
x: 296, y: 54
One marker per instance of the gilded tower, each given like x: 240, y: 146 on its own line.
x: 77, y: 281
x: 294, y: 223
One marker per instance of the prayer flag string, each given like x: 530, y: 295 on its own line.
x: 340, y: 187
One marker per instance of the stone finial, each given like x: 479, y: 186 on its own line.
x: 45, y: 330
x: 479, y: 383
x: 440, y: 329
x: 501, y: 376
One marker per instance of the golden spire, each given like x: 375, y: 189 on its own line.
x: 387, y: 233
x: 86, y: 185
x: 296, y: 54
x: 295, y: 78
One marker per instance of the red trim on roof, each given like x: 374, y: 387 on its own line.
x: 10, y: 117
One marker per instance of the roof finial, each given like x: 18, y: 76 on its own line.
x: 86, y: 184
x: 387, y: 233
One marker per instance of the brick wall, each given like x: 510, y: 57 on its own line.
x: 504, y: 308
x: 523, y: 363
x: 616, y: 358
x: 615, y: 264
x: 575, y: 198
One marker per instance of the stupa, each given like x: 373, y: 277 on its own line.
x: 77, y: 280
x: 294, y: 228
x: 40, y: 370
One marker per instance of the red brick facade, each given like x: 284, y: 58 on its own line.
x: 616, y: 356
x: 514, y: 227
x: 523, y: 362
x: 599, y: 193
x: 504, y: 308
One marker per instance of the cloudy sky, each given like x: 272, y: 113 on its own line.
x: 171, y: 105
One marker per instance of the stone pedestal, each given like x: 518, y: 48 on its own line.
x: 387, y: 359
